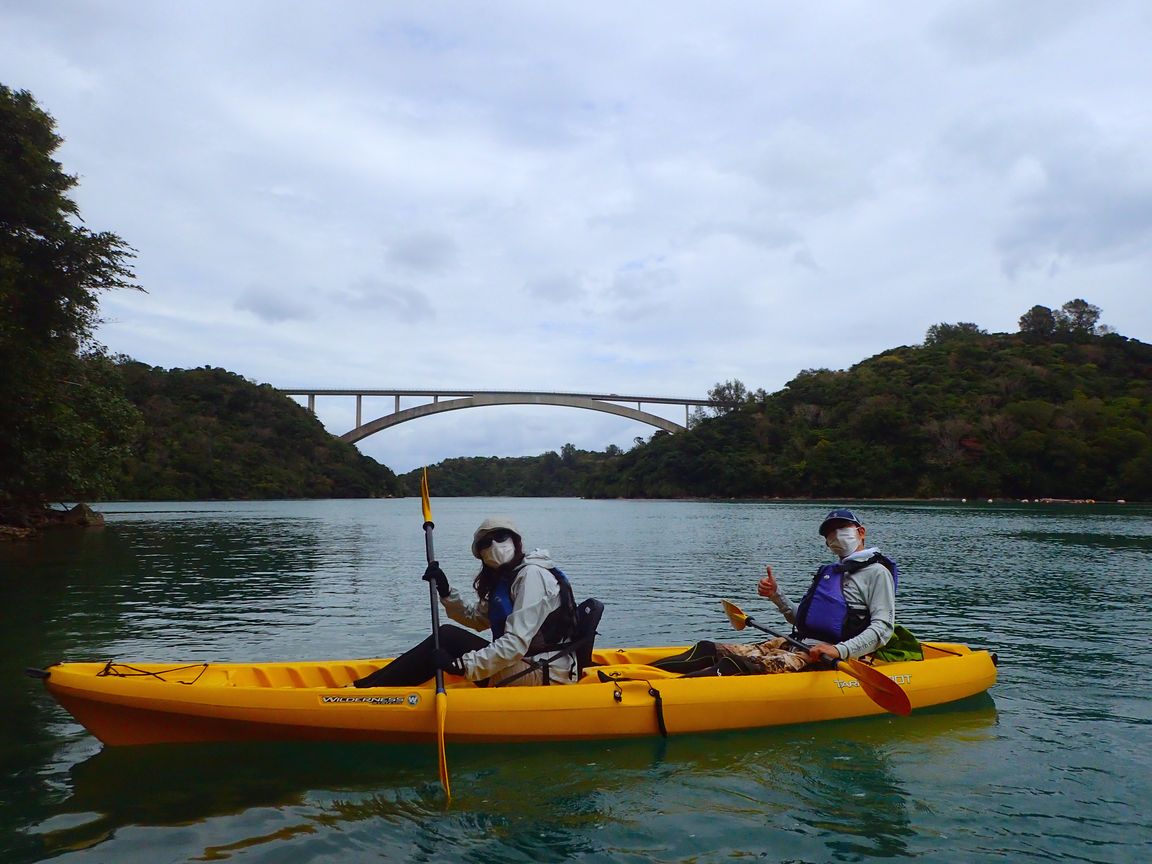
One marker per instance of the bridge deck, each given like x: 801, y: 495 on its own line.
x: 602, y: 397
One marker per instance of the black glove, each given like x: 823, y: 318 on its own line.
x: 435, y: 574
x: 447, y: 662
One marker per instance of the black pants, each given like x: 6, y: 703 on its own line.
x: 701, y: 660
x: 418, y: 664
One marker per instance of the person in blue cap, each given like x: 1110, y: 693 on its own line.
x: 849, y: 610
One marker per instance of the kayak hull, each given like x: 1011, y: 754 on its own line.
x: 135, y: 704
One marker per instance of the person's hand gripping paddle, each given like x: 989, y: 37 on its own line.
x: 441, y: 695
x: 876, y: 685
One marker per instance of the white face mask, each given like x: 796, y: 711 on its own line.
x: 843, y: 541
x: 497, y: 554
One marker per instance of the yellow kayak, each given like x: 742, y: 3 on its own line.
x: 619, y: 697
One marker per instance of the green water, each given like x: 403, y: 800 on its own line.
x: 1054, y: 765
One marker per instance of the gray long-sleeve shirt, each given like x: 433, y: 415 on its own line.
x: 870, y: 589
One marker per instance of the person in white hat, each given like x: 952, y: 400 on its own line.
x: 524, y: 598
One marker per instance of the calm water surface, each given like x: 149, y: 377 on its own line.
x: 1053, y: 766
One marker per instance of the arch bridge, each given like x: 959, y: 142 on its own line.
x: 454, y: 400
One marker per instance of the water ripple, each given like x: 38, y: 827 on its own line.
x: 1056, y: 768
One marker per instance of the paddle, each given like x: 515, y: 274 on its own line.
x: 877, y: 686
x: 441, y: 695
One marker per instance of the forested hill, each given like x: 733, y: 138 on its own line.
x: 211, y: 434
x: 967, y: 414
x: 549, y: 475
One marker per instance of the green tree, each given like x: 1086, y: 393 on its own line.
x: 65, y: 419
x: 727, y: 396
x: 939, y: 333
x: 1078, y: 316
x: 1039, y: 323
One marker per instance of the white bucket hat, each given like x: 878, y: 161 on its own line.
x: 492, y: 523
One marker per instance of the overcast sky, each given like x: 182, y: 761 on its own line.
x: 641, y: 197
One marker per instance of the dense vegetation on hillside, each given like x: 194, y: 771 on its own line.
x: 211, y: 434
x: 1062, y: 409
x: 559, y: 475
x: 1061, y: 415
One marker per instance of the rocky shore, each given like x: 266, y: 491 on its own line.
x: 28, y: 525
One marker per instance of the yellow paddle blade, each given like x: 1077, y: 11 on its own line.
x: 424, y: 500
x: 441, y: 716
x: 735, y: 614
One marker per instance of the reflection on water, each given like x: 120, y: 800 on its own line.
x: 1057, y: 769
x: 833, y: 785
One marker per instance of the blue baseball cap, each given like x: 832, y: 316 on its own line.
x: 842, y: 515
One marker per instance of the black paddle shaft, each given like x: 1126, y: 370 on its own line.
x: 791, y: 640
x: 435, y: 601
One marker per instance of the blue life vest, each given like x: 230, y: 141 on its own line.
x: 558, y: 627
x: 824, y: 614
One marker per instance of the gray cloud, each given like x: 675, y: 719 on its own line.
x: 765, y: 235
x: 272, y: 306
x: 423, y: 252
x: 384, y: 301
x: 641, y: 281
x: 1072, y: 192
x: 807, y: 170
x: 556, y: 288
x: 979, y: 31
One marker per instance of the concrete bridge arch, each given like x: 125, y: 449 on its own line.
x: 478, y: 400
x: 455, y: 400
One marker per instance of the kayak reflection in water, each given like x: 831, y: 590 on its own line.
x: 526, y: 601
x: 848, y: 611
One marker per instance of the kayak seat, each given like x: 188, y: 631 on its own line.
x: 588, y: 615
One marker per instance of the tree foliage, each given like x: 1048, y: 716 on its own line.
x: 1075, y: 319
x: 65, y: 419
x: 1078, y: 316
x: 215, y: 435
x: 726, y: 396
x: 546, y: 475
x: 1038, y: 323
x: 982, y: 415
x: 939, y: 333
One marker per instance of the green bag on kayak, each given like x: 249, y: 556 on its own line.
x: 902, y: 646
